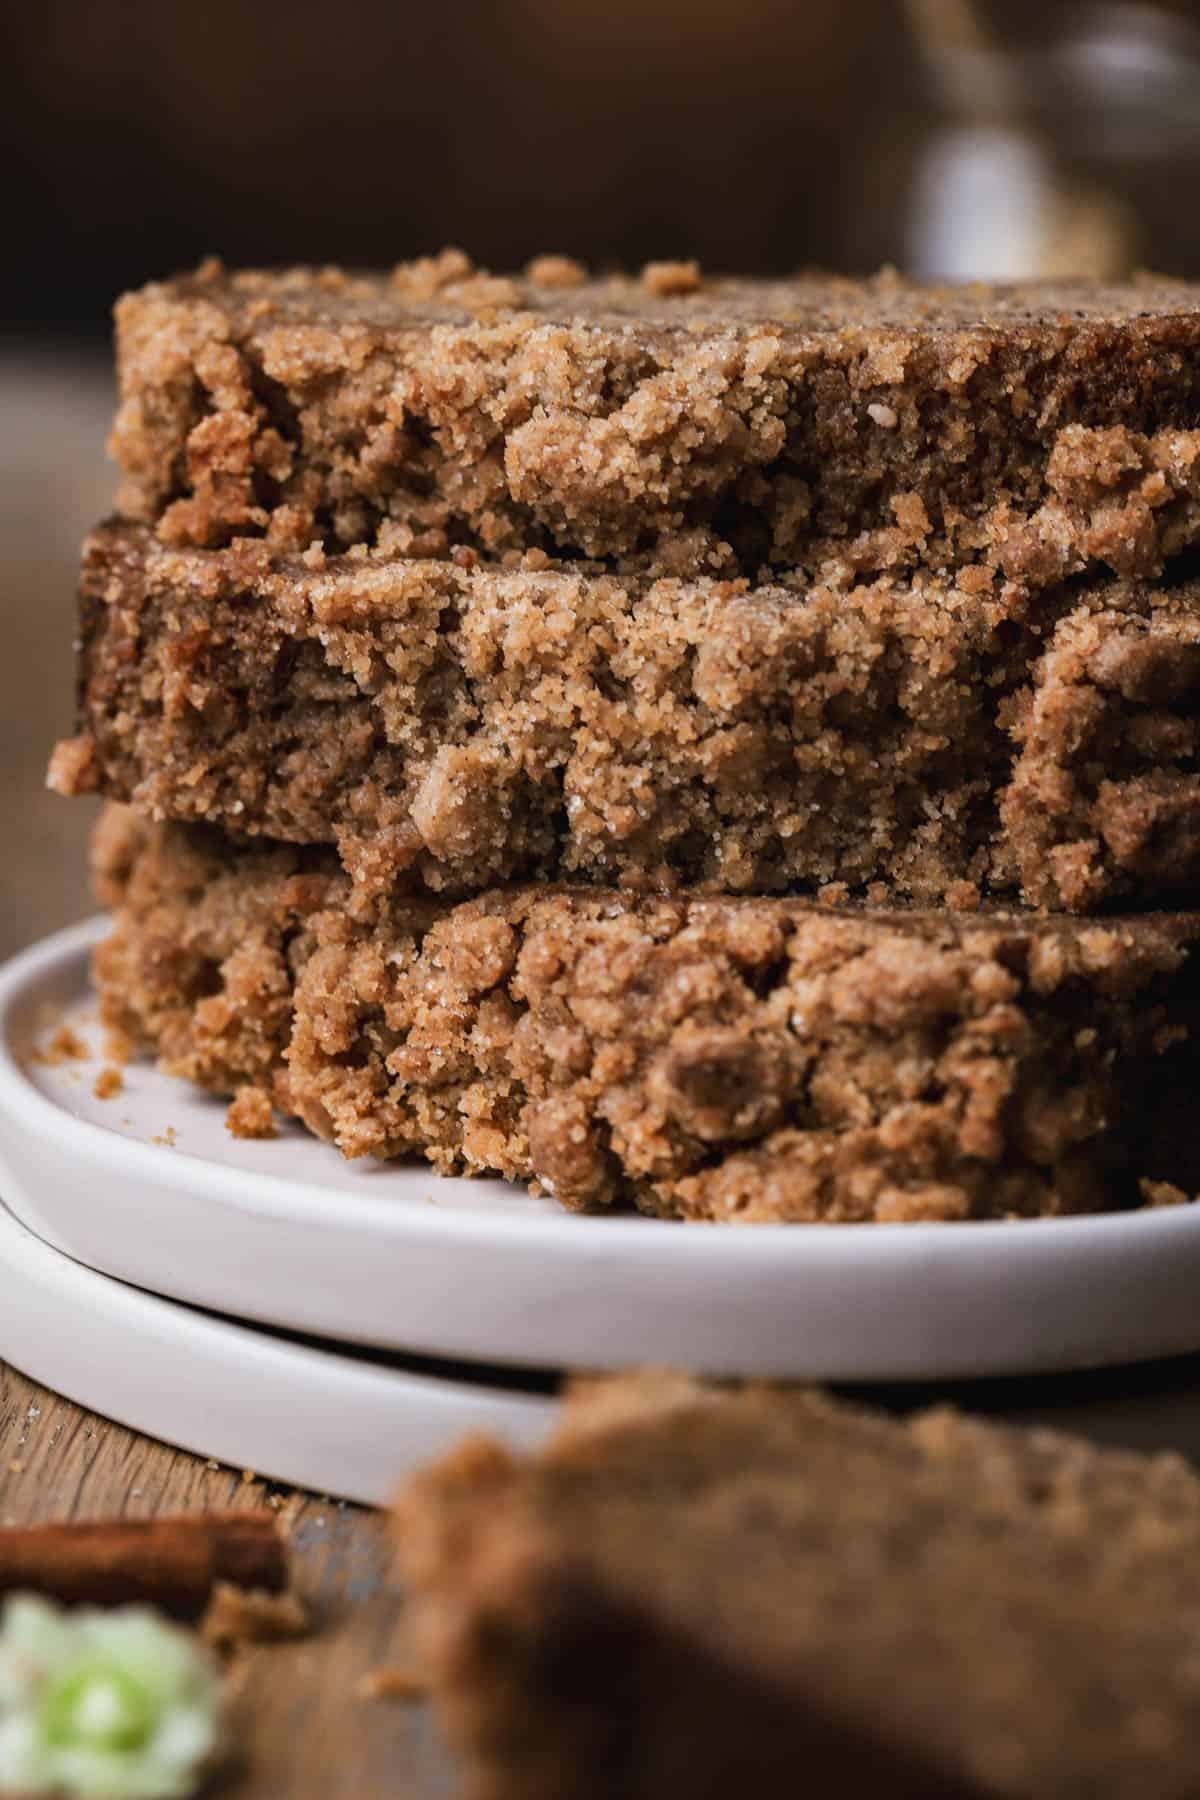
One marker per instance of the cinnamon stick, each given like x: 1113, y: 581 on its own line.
x: 171, y: 1563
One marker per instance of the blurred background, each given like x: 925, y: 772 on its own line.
x: 952, y: 137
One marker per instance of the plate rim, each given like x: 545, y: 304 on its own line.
x: 98, y: 1301
x: 23, y: 1105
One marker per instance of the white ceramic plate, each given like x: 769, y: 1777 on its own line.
x: 341, y: 1424
x: 353, y: 1425
x: 289, y: 1234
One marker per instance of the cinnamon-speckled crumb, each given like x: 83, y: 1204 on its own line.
x: 250, y: 1114
x: 663, y: 279
x: 72, y: 767
x: 688, y: 424
x: 1164, y: 1193
x: 456, y: 725
x: 556, y: 272
x: 65, y: 1046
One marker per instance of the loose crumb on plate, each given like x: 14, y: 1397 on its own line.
x: 65, y: 1046
x: 108, y: 1084
x: 1163, y: 1193
x: 250, y: 1115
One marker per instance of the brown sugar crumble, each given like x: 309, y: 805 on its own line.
x: 1164, y: 1193
x: 665, y: 278
x: 684, y: 425
x: 250, y: 1114
x: 65, y: 1046
x: 108, y: 1084
x: 237, y: 1616
x: 753, y: 1059
x: 556, y: 272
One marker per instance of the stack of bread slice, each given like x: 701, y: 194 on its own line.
x: 723, y: 747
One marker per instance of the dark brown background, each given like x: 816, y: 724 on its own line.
x: 140, y: 135
x: 147, y: 135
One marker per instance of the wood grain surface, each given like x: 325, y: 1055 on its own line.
x: 302, y: 1727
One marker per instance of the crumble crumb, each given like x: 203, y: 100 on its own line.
x: 427, y: 276
x: 73, y: 767
x: 65, y: 1046
x: 108, y: 1084
x: 1163, y: 1193
x: 250, y: 1114
x: 556, y: 272
x: 252, y: 1616
x: 964, y: 896
x: 666, y: 278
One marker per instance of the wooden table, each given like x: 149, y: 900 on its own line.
x: 303, y: 1729
x: 305, y: 1732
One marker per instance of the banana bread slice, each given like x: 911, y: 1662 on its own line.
x: 692, y: 425
x: 452, y: 727
x: 718, y: 1059
x: 691, y: 1593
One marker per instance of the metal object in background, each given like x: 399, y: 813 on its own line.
x: 1035, y: 168
x: 1124, y: 84
x: 990, y: 204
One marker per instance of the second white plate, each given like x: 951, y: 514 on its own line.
x: 343, y: 1424
x: 149, y: 1187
